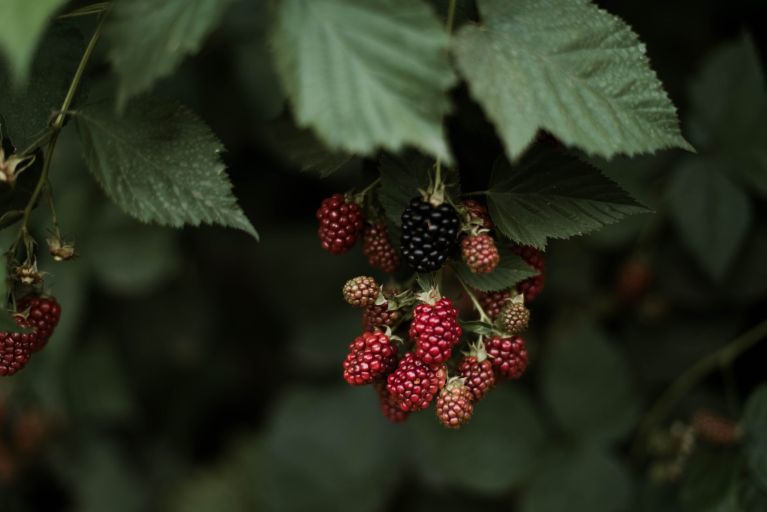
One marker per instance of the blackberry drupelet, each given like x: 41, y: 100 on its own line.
x: 429, y: 233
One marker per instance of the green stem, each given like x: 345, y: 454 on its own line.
x: 683, y: 384
x: 482, y: 315
x: 369, y: 187
x: 451, y: 16
x: 87, y: 10
x: 56, y: 126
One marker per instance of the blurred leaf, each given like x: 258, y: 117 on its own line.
x: 264, y: 92
x: 130, y: 258
x: 550, y: 195
x: 710, y: 483
x: 208, y: 492
x: 28, y: 111
x: 587, y: 383
x: 366, y: 75
x: 304, y: 149
x: 495, y: 451
x: 22, y: 23
x: 577, y: 71
x: 328, y: 450
x: 510, y: 270
x: 149, y: 38
x: 755, y: 424
x: 161, y: 164
x: 587, y: 480
x: 710, y: 212
x: 321, y: 342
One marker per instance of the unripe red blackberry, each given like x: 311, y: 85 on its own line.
x: 477, y: 375
x: 429, y: 233
x: 454, y: 404
x: 714, y: 428
x: 15, y: 351
x: 532, y: 286
x: 379, y: 315
x: 361, y: 291
x: 414, y: 384
x: 435, y: 331
x: 41, y: 314
x: 370, y: 356
x: 378, y: 248
x: 480, y: 253
x: 477, y: 213
x: 508, y: 355
x: 341, y: 223
x: 389, y: 407
x: 493, y: 302
x: 513, y: 318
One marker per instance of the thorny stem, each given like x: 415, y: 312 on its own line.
x: 482, y: 315
x: 56, y: 126
x: 720, y: 359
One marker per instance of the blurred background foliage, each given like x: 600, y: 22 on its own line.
x: 198, y: 370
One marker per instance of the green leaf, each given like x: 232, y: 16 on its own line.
x: 711, y: 214
x: 754, y: 422
x: 304, y: 150
x: 27, y: 112
x: 570, y: 68
x: 710, y: 483
x: 510, y: 270
x: 402, y: 177
x: 550, y: 195
x: 494, y: 452
x: 161, y: 164
x: 366, y: 75
x: 149, y: 38
x: 22, y: 23
x: 587, y: 480
x: 587, y: 383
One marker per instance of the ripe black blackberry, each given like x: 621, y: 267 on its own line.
x: 429, y: 233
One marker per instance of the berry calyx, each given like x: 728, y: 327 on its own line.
x: 435, y: 331
x: 508, y: 355
x: 340, y: 224
x: 429, y: 233
x: 41, y: 314
x: 361, y: 291
x: 532, y: 286
x: 378, y: 248
x: 370, y: 356
x: 454, y: 404
x: 477, y: 375
x: 477, y: 213
x: 389, y: 406
x: 414, y: 384
x: 480, y: 253
x: 493, y: 302
x: 514, y: 317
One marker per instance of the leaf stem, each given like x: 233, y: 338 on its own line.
x: 482, y: 315
x: 87, y: 10
x: 721, y: 358
x: 451, y: 16
x: 53, y: 135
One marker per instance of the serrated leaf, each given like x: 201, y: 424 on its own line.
x: 510, y: 270
x: 568, y: 67
x: 22, y: 23
x: 549, y: 195
x: 365, y: 75
x: 586, y: 382
x: 586, y: 480
x: 711, y: 214
x: 27, y: 112
x: 495, y: 451
x: 160, y: 164
x: 754, y: 422
x: 149, y: 38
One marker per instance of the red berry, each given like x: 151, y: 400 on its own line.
x: 435, y: 331
x: 414, y: 384
x: 370, y: 356
x: 478, y: 376
x: 531, y: 286
x: 340, y: 224
x: 41, y: 314
x: 454, y: 404
x: 509, y: 355
x: 15, y: 351
x: 513, y: 318
x: 361, y: 291
x: 477, y: 213
x: 379, y: 316
x: 493, y: 302
x: 378, y: 248
x: 714, y: 428
x: 480, y: 253
x: 389, y: 406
